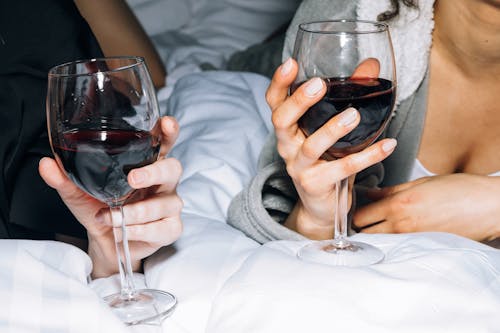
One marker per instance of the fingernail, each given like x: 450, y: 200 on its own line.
x: 348, y: 117
x: 138, y: 176
x: 314, y: 86
x: 389, y: 145
x: 286, y: 68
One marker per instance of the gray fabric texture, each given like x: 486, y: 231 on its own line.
x: 262, y: 58
x: 261, y: 208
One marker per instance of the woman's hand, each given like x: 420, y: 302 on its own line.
x: 462, y: 204
x: 313, y: 177
x: 153, y: 218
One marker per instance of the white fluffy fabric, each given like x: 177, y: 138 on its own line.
x: 411, y: 34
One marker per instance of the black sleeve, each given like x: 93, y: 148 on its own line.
x: 35, y: 35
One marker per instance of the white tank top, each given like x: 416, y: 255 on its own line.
x: 420, y: 171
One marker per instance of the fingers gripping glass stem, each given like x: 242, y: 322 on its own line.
x: 356, y: 61
x: 103, y: 118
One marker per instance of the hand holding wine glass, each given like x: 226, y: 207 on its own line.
x: 342, y: 94
x: 154, y: 220
x: 109, y: 145
x: 314, y: 179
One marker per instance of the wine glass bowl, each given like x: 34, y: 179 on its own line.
x: 356, y: 61
x: 99, y: 160
x: 103, y: 121
x: 373, y: 98
x: 99, y: 129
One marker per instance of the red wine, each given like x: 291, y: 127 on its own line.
x: 98, y: 161
x: 373, y: 98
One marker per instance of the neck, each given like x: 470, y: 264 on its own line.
x: 467, y: 32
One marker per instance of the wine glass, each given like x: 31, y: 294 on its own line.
x: 103, y: 121
x: 356, y: 61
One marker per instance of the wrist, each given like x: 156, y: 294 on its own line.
x: 300, y: 221
x: 102, y: 252
x: 101, y: 261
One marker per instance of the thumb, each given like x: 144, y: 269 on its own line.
x: 55, y: 177
x: 84, y: 207
x: 52, y: 174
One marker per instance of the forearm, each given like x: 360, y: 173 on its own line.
x: 120, y: 33
x: 495, y: 186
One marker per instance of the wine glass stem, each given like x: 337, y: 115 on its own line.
x: 123, y: 253
x: 341, y: 200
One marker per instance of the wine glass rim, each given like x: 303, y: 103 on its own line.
x: 377, y: 27
x: 53, y: 72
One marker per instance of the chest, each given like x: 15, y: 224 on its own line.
x: 462, y: 124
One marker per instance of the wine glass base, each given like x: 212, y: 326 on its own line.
x: 353, y: 254
x: 147, y: 305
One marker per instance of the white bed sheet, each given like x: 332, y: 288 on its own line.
x: 193, y: 32
x: 43, y: 288
x: 433, y: 282
x: 226, y: 282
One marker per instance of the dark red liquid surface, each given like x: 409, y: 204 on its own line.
x: 98, y: 161
x: 373, y: 98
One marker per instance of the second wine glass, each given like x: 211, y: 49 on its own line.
x: 356, y: 61
x: 103, y: 121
